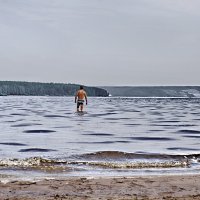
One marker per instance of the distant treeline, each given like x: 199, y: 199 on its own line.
x: 45, y: 89
x: 155, y: 91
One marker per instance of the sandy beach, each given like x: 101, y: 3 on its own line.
x: 152, y: 187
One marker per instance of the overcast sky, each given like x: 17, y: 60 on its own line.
x: 101, y: 42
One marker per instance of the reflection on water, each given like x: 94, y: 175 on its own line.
x: 49, y: 128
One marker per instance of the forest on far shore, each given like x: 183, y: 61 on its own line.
x: 46, y: 89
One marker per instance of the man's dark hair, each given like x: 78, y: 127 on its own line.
x: 81, y: 87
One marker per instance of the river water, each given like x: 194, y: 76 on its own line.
x: 45, y: 137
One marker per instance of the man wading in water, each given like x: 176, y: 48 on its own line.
x: 79, y: 98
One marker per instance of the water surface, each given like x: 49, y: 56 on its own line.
x: 114, y: 136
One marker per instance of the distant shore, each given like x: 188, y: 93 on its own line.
x: 12, y: 88
x: 185, y: 187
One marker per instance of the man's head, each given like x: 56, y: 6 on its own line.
x: 81, y: 87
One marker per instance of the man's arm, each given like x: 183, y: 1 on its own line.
x: 76, y: 97
x: 86, y: 98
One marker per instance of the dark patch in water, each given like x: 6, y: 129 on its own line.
x: 102, y: 114
x: 81, y: 120
x: 186, y: 125
x: 11, y: 121
x: 150, y: 138
x: 105, y: 142
x: 169, y: 121
x: 25, y: 124
x: 39, y: 131
x: 156, y: 113
x: 4, y: 116
x: 54, y: 116
x: 173, y: 125
x: 130, y: 111
x: 141, y: 152
x: 68, y: 113
x: 12, y: 144
x: 189, y: 131
x: 63, y: 127
x: 111, y: 118
x: 99, y: 134
x: 183, y: 149
x: 195, y: 113
x: 36, y: 150
x: 165, y: 125
x: 123, y: 118
x: 192, y: 136
x: 135, y: 111
x: 123, y: 141
x: 132, y: 124
x: 179, y: 116
x: 25, y: 109
x: 18, y: 114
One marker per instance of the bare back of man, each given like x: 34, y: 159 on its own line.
x: 80, y: 96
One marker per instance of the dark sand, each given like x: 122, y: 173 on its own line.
x: 185, y: 187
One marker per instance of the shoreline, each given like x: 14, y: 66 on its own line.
x: 185, y: 187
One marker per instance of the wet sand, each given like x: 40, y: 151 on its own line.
x: 185, y: 187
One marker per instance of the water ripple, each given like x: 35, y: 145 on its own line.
x: 12, y: 144
x: 189, y: 131
x: 150, y: 138
x: 36, y: 150
x: 39, y: 131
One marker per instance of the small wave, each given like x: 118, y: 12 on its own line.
x: 123, y: 141
x: 189, y: 131
x: 103, y: 142
x: 102, y: 114
x: 187, y: 125
x: 118, y: 155
x: 150, y: 138
x: 104, y: 159
x: 132, y: 124
x: 169, y: 121
x: 11, y: 121
x: 195, y: 113
x: 196, y: 119
x: 173, y: 125
x: 12, y: 144
x: 25, y: 124
x: 35, y: 163
x: 54, y: 116
x: 1, y: 116
x: 19, y: 114
x: 192, y: 136
x: 111, y: 118
x: 24, y: 109
x: 63, y: 127
x: 36, y: 150
x: 135, y: 165
x: 38, y: 163
x: 99, y: 134
x: 183, y: 149
x: 39, y: 131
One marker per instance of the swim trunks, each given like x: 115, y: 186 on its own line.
x: 80, y: 102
